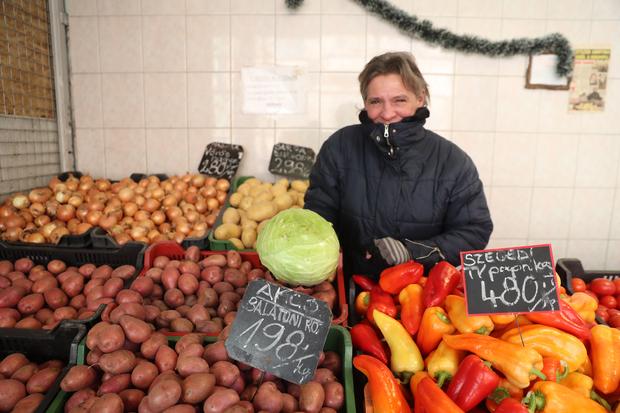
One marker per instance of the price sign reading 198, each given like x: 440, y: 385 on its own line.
x: 280, y: 331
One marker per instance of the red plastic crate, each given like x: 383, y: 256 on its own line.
x: 174, y: 251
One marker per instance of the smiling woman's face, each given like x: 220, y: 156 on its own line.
x: 389, y: 101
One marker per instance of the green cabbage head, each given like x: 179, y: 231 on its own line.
x: 299, y: 247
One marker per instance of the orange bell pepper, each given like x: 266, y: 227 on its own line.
x: 435, y: 323
x: 443, y: 362
x: 584, y: 304
x: 519, y: 364
x: 578, y: 382
x: 502, y: 320
x: 552, y: 397
x: 605, y: 347
x: 431, y: 399
x: 457, y: 311
x: 550, y: 342
x: 411, y: 307
x: 385, y: 391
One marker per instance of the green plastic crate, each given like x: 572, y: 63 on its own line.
x: 224, y: 245
x: 338, y: 340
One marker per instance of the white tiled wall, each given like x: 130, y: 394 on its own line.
x: 154, y: 81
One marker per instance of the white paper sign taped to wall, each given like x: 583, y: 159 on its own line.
x: 277, y: 90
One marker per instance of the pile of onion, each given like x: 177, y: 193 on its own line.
x: 147, y: 211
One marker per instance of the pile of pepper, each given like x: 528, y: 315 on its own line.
x: 422, y: 353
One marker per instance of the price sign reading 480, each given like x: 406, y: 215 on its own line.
x: 511, y: 280
x: 280, y: 331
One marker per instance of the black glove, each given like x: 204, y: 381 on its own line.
x: 392, y: 250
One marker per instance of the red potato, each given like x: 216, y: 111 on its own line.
x: 188, y: 365
x: 26, y: 264
x: 31, y: 303
x: 110, y: 338
x: 29, y: 323
x: 9, y: 297
x: 115, y: 384
x: 189, y: 267
x: 29, y: 404
x: 24, y: 373
x: 311, y: 397
x: 170, y: 277
x: 150, y: 347
x: 93, y: 356
x: 215, y: 259
x: 164, y: 394
x: 181, y: 325
x: 233, y: 259
x: 186, y: 340
x: 123, y: 272
x: 78, y: 301
x: 188, y: 283
x: 55, y: 266
x: 133, y: 309
x: 226, y: 373
x: 73, y: 284
x: 197, y: 387
x: 198, y: 313
x: 192, y: 253
x: 87, y: 269
x: 43, y: 315
x: 24, y: 283
x: 129, y: 296
x: 12, y: 392
x: 215, y: 352
x: 90, y: 285
x: 154, y: 274
x: 55, y: 298
x: 112, y: 286
x: 151, y: 313
x: 135, y: 329
x: 181, y: 408
x: 78, y: 398
x: 131, y: 399
x: 108, y: 403
x: 143, y: 374
x: 268, y: 398
x: 193, y: 349
x: 4, y: 282
x: 103, y: 271
x: 220, y: 400
x: 334, y: 395
x: 117, y: 362
x: 174, y: 297
x: 42, y: 380
x: 143, y: 285
x: 165, y: 359
x: 78, y: 378
x: 11, y: 363
x: 235, y: 277
x: 161, y: 261
x: 212, y: 274
x: 6, y: 267
x: 65, y: 313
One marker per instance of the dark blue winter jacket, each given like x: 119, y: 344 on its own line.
x: 403, y: 181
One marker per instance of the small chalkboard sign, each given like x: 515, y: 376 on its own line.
x: 280, y: 331
x: 510, y: 280
x: 221, y: 160
x: 291, y: 160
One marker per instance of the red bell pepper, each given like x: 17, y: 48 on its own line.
x: 567, y: 319
x: 380, y: 301
x: 394, y: 279
x: 472, y: 383
x: 363, y: 282
x: 442, y: 279
x: 365, y: 338
x: 510, y: 405
x: 429, y: 398
x: 411, y: 309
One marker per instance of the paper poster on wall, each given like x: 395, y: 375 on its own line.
x: 589, y: 82
x: 273, y: 90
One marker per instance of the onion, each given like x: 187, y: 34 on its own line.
x: 93, y: 217
x: 192, y: 216
x: 81, y: 212
x: 165, y: 228
x: 51, y: 207
x: 210, y: 181
x: 139, y: 200
x: 117, y: 229
x: 60, y: 187
x: 37, y: 209
x: 140, y: 190
x: 20, y: 201
x: 173, y: 212
x: 222, y: 185
x: 96, y: 206
x: 152, y: 234
x: 47, y: 229
x: 86, y: 185
x: 147, y: 223
x: 122, y: 239
x: 103, y: 184
x: 158, y: 217
x: 190, y: 197
x: 130, y: 208
x: 12, y: 234
x: 76, y: 200
x: 26, y: 215
x: 40, y: 195
x: 158, y: 193
x: 151, y: 205
x: 141, y: 215
x: 126, y: 194
x: 199, y: 180
x: 54, y: 182
x: 14, y: 221
x: 65, y: 212
x: 138, y: 232
x: 58, y: 233
x: 72, y: 225
x: 183, y: 227
x: 187, y: 178
x: 196, y: 234
x: 6, y: 210
x: 62, y: 196
x: 210, y: 220
x: 208, y: 191
x: 144, y: 182
x: 167, y: 186
x: 221, y: 197
x: 72, y: 183
x: 126, y: 221
x: 42, y: 220
x: 212, y: 204
x: 201, y: 205
x: 107, y: 221
x: 201, y: 227
x: 180, y: 186
x: 169, y: 201
x: 153, y: 179
x: 34, y: 237
x: 178, y: 237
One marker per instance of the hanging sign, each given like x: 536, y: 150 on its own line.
x: 510, y: 280
x: 221, y: 160
x: 291, y: 160
x: 280, y: 331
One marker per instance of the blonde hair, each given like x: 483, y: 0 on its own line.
x: 400, y: 63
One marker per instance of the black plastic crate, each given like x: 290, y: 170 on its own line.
x: 65, y: 175
x: 39, y: 346
x: 137, y: 177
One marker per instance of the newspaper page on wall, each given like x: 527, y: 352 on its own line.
x: 589, y: 82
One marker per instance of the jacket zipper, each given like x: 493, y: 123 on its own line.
x: 386, y: 135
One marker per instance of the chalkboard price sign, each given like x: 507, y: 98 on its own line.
x: 280, y: 331
x: 510, y: 280
x: 221, y: 160
x: 291, y: 160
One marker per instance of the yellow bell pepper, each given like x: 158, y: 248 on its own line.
x: 406, y: 358
x: 443, y: 363
x: 456, y: 308
x: 552, y: 397
x: 550, y: 342
x: 584, y: 304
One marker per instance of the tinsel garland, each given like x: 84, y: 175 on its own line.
x: 554, y: 43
